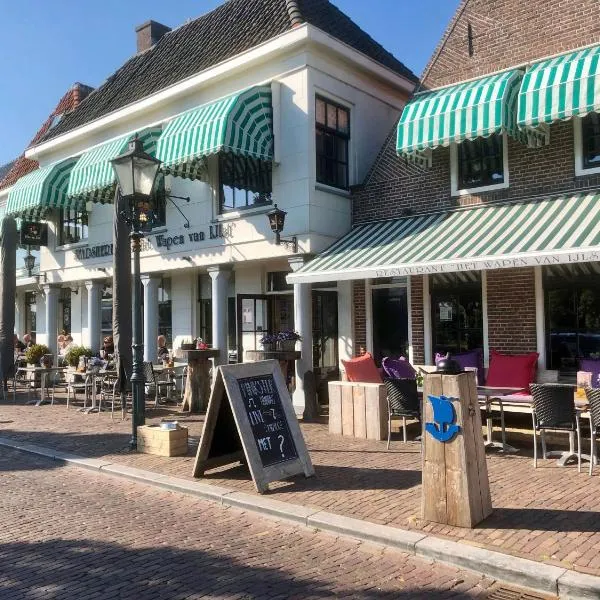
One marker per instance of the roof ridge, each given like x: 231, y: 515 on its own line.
x: 296, y: 17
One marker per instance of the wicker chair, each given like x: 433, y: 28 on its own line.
x: 554, y: 409
x: 154, y: 385
x: 403, y: 401
x: 593, y: 396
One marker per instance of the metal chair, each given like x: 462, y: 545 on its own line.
x: 108, y: 390
x: 554, y: 409
x: 403, y: 401
x: 593, y: 397
x: 154, y: 384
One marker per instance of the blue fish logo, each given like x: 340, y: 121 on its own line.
x: 444, y: 427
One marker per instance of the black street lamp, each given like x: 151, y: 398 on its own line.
x: 29, y: 262
x: 136, y: 173
x: 277, y: 222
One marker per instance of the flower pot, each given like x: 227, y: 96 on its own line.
x: 271, y: 347
x: 188, y: 346
x: 287, y: 345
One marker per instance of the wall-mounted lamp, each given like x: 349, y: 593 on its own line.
x: 29, y: 261
x: 188, y: 259
x: 277, y: 222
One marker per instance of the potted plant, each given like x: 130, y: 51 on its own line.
x: 268, y: 342
x: 74, y: 353
x: 34, y: 354
x: 286, y: 340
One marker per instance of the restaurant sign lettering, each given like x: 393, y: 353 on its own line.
x: 482, y: 264
x: 161, y: 241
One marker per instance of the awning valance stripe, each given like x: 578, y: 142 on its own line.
x: 241, y: 124
x: 93, y: 178
x: 560, y: 88
x: 41, y: 190
x: 562, y: 229
x: 462, y: 112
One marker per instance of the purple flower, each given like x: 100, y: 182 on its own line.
x: 268, y: 338
x: 288, y: 335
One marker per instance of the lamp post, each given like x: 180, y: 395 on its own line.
x: 277, y: 222
x: 136, y: 173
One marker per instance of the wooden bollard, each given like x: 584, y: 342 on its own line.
x: 456, y: 489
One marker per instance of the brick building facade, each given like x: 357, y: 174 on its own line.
x: 485, y: 37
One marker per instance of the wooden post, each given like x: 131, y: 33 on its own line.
x: 456, y: 488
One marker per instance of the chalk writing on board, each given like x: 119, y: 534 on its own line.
x: 267, y: 420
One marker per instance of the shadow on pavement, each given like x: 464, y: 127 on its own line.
x: 77, y: 568
x: 540, y: 519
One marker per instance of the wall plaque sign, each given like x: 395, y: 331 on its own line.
x: 34, y: 234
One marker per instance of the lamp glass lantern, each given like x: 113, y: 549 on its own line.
x: 29, y: 263
x: 276, y: 219
x: 136, y: 172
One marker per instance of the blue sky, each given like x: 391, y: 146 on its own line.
x: 47, y: 45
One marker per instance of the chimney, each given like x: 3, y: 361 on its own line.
x: 149, y: 33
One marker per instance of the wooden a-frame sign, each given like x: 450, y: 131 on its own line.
x: 250, y: 416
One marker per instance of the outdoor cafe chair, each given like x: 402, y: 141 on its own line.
x: 593, y: 397
x: 108, y: 390
x: 403, y: 401
x: 554, y: 410
x: 153, y: 383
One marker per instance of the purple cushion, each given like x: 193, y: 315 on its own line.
x: 591, y: 365
x: 398, y: 368
x: 472, y: 358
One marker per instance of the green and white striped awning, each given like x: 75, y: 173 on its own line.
x: 241, y: 124
x: 560, y: 88
x: 564, y: 229
x: 36, y: 193
x: 462, y: 112
x: 93, y: 178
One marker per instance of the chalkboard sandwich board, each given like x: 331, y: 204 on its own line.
x: 250, y: 415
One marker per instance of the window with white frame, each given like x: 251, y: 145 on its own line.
x: 243, y: 182
x: 587, y: 144
x: 479, y: 165
x: 72, y: 226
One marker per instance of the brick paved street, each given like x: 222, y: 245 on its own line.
x: 549, y: 514
x: 67, y: 533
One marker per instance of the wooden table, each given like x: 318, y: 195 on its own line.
x: 197, y: 384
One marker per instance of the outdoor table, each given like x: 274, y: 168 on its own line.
x: 581, y: 405
x: 91, y: 375
x: 197, y: 384
x: 492, y: 394
x: 44, y: 372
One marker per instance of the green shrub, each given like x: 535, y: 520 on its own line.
x: 73, y: 354
x: 34, y: 353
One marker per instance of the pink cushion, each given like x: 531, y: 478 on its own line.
x: 512, y: 370
x: 362, y: 369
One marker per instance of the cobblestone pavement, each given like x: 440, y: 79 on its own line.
x: 548, y: 514
x: 67, y: 533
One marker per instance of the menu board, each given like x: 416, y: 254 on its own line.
x: 267, y: 420
x: 250, y: 419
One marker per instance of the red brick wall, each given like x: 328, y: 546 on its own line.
x: 360, y: 317
x: 418, y: 326
x: 511, y: 310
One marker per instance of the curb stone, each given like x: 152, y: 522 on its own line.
x: 565, y: 583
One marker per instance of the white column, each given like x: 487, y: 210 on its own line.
x: 303, y: 325
x: 51, y: 292
x: 486, y: 330
x: 219, y: 278
x: 345, y: 321
x: 427, y: 321
x: 540, y: 318
x: 150, y: 317
x: 94, y: 322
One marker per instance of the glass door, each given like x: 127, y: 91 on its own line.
x: 253, y: 322
x: 390, y: 322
